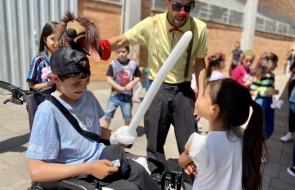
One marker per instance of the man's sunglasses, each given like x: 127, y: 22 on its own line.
x: 178, y: 6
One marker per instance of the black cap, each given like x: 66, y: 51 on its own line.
x: 67, y: 61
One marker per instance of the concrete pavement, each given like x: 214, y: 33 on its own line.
x: 14, y: 136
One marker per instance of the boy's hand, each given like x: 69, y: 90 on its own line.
x: 129, y: 86
x: 102, y: 168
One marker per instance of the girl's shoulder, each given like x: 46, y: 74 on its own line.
x: 214, y: 137
x: 40, y: 58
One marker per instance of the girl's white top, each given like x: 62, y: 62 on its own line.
x: 218, y: 161
x: 215, y: 75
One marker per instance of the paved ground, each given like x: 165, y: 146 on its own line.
x: 14, y: 135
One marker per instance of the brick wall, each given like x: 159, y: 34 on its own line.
x: 107, y: 18
x: 221, y: 38
x: 281, y: 7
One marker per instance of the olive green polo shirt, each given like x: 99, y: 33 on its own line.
x: 154, y: 33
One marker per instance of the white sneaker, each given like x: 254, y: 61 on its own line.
x: 288, y: 137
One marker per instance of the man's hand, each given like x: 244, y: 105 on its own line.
x: 102, y: 168
x: 201, y: 74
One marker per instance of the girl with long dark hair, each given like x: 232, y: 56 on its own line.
x: 229, y: 157
x: 47, y: 46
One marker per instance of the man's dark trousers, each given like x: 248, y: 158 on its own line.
x: 173, y: 104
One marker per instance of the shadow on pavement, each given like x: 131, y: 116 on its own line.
x: 14, y: 144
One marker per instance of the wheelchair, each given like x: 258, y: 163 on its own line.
x: 169, y: 179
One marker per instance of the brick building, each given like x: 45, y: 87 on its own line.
x: 275, y: 26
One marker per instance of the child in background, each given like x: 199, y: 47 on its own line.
x: 46, y: 48
x: 138, y: 85
x: 216, y: 63
x: 291, y: 120
x: 122, y: 75
x: 263, y: 87
x: 289, y: 60
x: 242, y: 73
x: 224, y: 159
x: 235, y: 58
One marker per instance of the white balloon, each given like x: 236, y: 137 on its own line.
x: 180, y: 47
x: 120, y: 137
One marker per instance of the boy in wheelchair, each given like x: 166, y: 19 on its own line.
x: 57, y: 151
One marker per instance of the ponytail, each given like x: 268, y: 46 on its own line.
x: 253, y: 144
x: 214, y: 61
x: 209, y: 68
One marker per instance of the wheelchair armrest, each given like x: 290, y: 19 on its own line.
x: 76, y: 184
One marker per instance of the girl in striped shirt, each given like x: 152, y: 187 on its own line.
x: 263, y: 87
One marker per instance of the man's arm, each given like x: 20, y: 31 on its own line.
x: 40, y: 171
x: 118, y: 42
x: 200, y: 72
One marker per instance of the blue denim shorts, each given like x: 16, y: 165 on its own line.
x: 125, y: 103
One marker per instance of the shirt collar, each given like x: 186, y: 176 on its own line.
x: 45, y: 56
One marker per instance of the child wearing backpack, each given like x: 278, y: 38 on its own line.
x: 41, y: 61
x: 56, y: 149
x: 263, y: 87
x: 224, y: 159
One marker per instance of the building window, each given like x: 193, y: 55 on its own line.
x: 216, y: 13
x: 119, y: 2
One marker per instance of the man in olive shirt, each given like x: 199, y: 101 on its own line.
x: 174, y: 102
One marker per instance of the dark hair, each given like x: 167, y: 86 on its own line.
x: 234, y: 101
x: 214, y: 62
x: 262, y: 66
x: 85, y: 72
x: 48, y: 29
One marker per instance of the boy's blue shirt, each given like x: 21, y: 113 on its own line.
x: 55, y: 140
